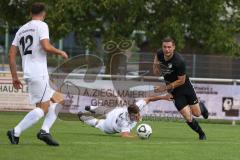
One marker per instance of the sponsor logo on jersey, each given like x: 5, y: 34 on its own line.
x: 169, y: 65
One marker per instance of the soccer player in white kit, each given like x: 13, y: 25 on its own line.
x: 32, y: 41
x: 120, y: 119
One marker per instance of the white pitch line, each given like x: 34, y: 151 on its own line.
x: 156, y: 143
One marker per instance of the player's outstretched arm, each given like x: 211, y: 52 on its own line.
x: 12, y: 63
x: 51, y: 49
x: 167, y: 97
x: 127, y: 135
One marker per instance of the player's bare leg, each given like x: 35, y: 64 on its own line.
x: 192, y: 123
x: 199, y: 109
x: 195, y: 109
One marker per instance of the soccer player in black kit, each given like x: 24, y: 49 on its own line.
x: 173, y: 69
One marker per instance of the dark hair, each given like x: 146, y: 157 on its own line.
x: 168, y: 39
x: 37, y: 8
x: 133, y: 108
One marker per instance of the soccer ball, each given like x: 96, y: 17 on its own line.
x: 144, y: 131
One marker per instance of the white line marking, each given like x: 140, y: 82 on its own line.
x: 157, y: 143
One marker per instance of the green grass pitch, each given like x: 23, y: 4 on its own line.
x: 169, y: 141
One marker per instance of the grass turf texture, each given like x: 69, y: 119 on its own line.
x: 169, y: 141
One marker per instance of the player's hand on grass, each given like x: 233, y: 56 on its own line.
x: 127, y: 135
x: 17, y: 84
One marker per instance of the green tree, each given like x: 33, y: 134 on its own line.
x: 205, y: 26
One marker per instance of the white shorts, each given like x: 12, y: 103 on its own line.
x: 39, y: 89
x: 106, y: 126
x: 100, y: 125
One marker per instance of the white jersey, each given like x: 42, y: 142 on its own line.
x: 27, y: 39
x: 118, y: 120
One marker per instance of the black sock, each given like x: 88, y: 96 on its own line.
x: 195, y: 126
x: 201, y: 105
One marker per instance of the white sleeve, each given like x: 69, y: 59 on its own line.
x: 14, y: 43
x: 43, y: 31
x: 141, y: 104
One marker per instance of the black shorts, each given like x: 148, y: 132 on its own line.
x: 184, y: 98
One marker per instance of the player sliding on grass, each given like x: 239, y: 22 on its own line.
x: 120, y: 119
x: 32, y: 40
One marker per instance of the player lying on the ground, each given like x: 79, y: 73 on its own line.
x: 120, y: 119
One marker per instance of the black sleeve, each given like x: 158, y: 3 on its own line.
x: 181, y: 68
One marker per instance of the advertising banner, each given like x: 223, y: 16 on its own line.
x: 222, y: 100
x: 12, y: 99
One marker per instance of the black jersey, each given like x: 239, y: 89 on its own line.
x: 173, y: 68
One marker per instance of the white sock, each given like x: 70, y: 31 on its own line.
x: 31, y: 118
x: 91, y: 122
x: 51, y: 116
x: 93, y: 107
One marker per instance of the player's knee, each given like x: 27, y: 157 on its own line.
x: 196, y: 111
x: 62, y: 101
x: 186, y: 113
x: 58, y: 98
x: 44, y: 106
x: 197, y: 114
x: 188, y: 119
